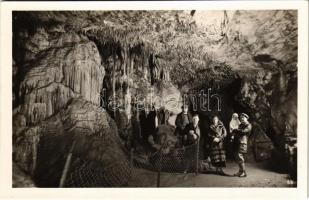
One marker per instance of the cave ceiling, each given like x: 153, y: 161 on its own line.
x: 191, y: 38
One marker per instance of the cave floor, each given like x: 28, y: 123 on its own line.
x: 258, y: 176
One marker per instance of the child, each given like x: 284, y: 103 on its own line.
x: 234, y: 124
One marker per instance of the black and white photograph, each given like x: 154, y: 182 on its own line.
x: 155, y: 98
x: 177, y: 98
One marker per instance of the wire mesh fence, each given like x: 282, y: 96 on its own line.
x: 175, y: 160
x: 52, y: 151
x: 63, y: 165
x: 138, y: 172
x: 83, y: 175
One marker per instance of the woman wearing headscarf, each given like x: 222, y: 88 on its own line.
x: 234, y: 124
x: 217, y: 152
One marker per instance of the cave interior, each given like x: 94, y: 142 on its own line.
x: 72, y: 68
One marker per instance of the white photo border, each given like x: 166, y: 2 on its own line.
x: 6, y: 189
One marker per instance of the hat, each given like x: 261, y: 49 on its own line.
x: 244, y: 115
x: 195, y: 115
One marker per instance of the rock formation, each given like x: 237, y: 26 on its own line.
x: 67, y: 69
x: 72, y: 69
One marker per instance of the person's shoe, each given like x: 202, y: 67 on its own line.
x: 243, y: 174
x: 222, y: 173
x: 237, y: 174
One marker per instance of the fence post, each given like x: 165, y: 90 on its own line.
x: 197, y: 155
x: 159, y: 169
x: 66, y: 166
x: 131, y: 158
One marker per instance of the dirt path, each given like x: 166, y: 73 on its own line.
x: 258, y: 176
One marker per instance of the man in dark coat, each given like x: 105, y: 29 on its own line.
x: 192, y: 131
x: 191, y: 135
x: 182, y: 120
x: 241, y: 138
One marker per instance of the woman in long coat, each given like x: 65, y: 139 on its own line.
x: 233, y: 144
x: 217, y: 152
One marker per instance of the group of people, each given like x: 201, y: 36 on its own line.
x: 188, y: 131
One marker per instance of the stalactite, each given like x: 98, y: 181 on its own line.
x: 63, y: 73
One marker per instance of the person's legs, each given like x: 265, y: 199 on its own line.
x: 239, y: 159
x: 217, y: 156
x: 219, y: 168
x: 242, y: 168
x: 187, y: 158
x: 242, y: 152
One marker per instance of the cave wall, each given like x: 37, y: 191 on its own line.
x: 271, y: 99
